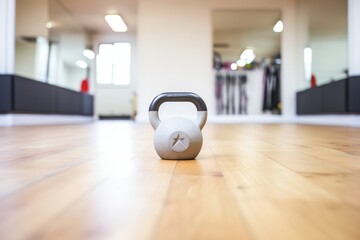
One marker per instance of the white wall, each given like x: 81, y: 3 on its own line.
x: 25, y: 58
x: 175, y: 49
x: 63, y: 56
x: 31, y: 58
x: 117, y: 100
x: 329, y: 59
x: 7, y: 36
x: 354, y: 37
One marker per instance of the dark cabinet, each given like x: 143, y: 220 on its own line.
x: 23, y: 95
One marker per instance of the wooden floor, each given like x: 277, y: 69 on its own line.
x: 105, y: 181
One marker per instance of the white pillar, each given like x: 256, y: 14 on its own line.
x: 354, y: 37
x: 7, y: 36
x: 289, y: 61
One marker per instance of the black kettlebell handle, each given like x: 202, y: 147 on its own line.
x: 178, y: 97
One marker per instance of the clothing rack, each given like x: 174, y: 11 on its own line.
x: 230, y: 92
x: 272, y: 100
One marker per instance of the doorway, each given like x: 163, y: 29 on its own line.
x: 247, y: 61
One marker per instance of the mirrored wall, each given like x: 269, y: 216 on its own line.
x: 247, y: 61
x: 325, y: 54
x: 50, y: 44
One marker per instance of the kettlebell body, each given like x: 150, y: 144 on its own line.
x: 178, y: 138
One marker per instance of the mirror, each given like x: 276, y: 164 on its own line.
x: 327, y: 40
x: 50, y: 44
x: 247, y: 61
x: 31, y: 47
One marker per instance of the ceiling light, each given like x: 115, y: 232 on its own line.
x: 241, y: 62
x: 49, y: 24
x: 81, y: 64
x: 116, y: 23
x: 308, y: 55
x: 248, y: 55
x: 279, y: 26
x: 233, y: 66
x: 307, y: 63
x: 89, y: 54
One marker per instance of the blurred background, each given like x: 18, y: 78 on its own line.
x: 243, y: 57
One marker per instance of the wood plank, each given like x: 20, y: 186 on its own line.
x: 301, y: 220
x: 126, y: 206
x: 32, y: 208
x: 279, y: 203
x: 304, y: 163
x: 345, y: 187
x: 253, y: 176
x: 199, y: 199
x: 351, y: 162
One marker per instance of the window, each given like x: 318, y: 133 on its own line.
x: 113, y: 64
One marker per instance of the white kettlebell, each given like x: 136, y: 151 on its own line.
x: 178, y: 138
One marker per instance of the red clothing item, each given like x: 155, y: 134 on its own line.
x: 84, y: 86
x: 313, y: 81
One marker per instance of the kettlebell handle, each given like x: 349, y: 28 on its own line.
x: 178, y: 97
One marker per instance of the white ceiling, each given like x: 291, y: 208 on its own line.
x: 90, y: 13
x: 327, y: 17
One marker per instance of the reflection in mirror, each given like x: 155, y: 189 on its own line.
x: 327, y: 40
x: 50, y: 44
x: 247, y: 61
x: 67, y: 65
x: 31, y: 47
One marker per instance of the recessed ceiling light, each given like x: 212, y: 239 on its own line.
x: 279, y: 26
x: 233, y: 66
x: 248, y: 55
x: 241, y: 62
x: 89, y: 54
x: 49, y: 24
x: 81, y: 64
x: 116, y: 23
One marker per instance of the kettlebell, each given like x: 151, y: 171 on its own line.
x: 178, y: 138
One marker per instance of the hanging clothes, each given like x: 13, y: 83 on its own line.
x: 227, y: 94
x: 271, y: 100
x: 243, y: 98
x: 218, y: 92
x: 232, y: 92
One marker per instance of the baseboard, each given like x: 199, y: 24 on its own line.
x: 347, y: 120
x: 8, y: 120
x: 114, y: 117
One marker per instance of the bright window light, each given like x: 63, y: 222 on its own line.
x: 113, y: 64
x: 121, y: 69
x: 279, y: 26
x: 81, y: 64
x: 116, y: 23
x: 308, y: 62
x: 89, y: 54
